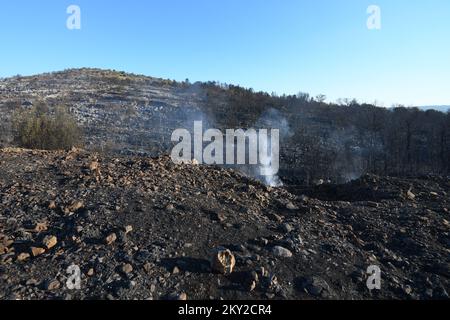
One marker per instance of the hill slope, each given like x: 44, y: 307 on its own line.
x: 133, y: 114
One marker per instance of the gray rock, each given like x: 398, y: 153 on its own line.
x: 281, y: 252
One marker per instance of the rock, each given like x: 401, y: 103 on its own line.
x: 316, y: 286
x: 6, y: 258
x: 76, y: 206
x: 122, y: 237
x: 52, y: 285
x: 127, y: 268
x: 52, y: 205
x: 111, y: 239
x: 148, y: 267
x: 286, y: 227
x: 269, y: 295
x: 177, y: 296
x: 250, y: 281
x: 372, y: 204
x: 218, y: 216
x: 303, y: 198
x: 275, y: 217
x: 175, y: 270
x: 23, y: 256
x: 128, y: 229
x: 281, y: 252
x: 36, y: 251
x: 90, y: 272
x: 410, y: 195
x: 32, y: 282
x: 291, y: 206
x: 50, y: 241
x: 40, y: 227
x: 170, y: 207
x: 5, y: 243
x: 270, y: 283
x: 408, y: 290
x: 222, y: 261
x: 94, y: 166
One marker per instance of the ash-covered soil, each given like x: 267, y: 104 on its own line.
x: 141, y: 228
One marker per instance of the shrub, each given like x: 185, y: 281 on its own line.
x: 39, y: 128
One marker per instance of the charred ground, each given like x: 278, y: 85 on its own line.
x: 167, y: 219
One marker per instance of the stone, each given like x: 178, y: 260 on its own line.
x: 50, y: 241
x: 111, y: 239
x: 52, y: 205
x: 76, y: 206
x: 252, y: 286
x: 222, y: 261
x: 40, y: 227
x: 218, y: 216
x: 128, y: 229
x: 316, y: 286
x: 270, y: 295
x: 148, y: 267
x: 286, y: 227
x: 250, y: 280
x: 52, y: 285
x: 410, y: 195
x: 23, y: 256
x: 94, y: 166
x: 281, y: 252
x: 127, y: 268
x: 291, y: 206
x: 178, y: 296
x: 36, y: 251
x: 407, y: 289
x: 275, y: 217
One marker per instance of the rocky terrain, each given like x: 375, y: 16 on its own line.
x: 145, y: 228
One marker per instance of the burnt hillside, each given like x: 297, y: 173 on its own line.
x: 133, y: 114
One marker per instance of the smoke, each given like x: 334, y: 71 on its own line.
x: 272, y: 119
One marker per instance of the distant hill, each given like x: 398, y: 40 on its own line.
x: 438, y: 108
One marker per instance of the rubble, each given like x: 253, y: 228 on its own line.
x: 222, y: 261
x: 49, y: 242
x: 262, y: 249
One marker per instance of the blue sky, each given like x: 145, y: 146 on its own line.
x: 285, y: 46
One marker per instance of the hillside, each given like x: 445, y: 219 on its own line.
x: 132, y: 114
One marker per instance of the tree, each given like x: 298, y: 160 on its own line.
x: 321, y: 98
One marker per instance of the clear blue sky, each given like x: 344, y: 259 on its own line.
x: 286, y: 46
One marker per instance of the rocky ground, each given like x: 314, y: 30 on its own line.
x: 141, y: 228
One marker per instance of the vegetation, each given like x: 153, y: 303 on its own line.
x: 42, y: 128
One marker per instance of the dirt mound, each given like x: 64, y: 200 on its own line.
x: 141, y: 228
